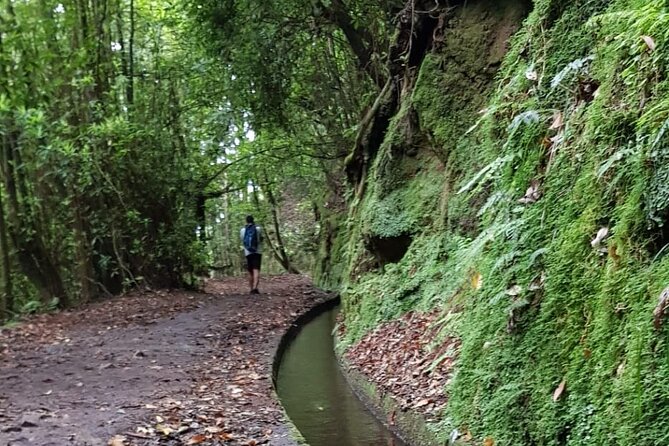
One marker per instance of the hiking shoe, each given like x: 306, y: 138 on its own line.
x: 255, y: 291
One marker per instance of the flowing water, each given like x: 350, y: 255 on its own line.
x: 317, y: 397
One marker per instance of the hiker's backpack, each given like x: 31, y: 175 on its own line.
x: 251, y: 238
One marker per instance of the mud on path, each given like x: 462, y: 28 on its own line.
x: 158, y: 368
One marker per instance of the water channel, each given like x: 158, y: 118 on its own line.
x: 317, y: 397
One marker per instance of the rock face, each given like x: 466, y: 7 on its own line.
x: 508, y: 135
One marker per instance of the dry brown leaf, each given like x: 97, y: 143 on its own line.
x: 532, y: 193
x: 650, y: 42
x: 488, y: 442
x: 546, y: 142
x: 225, y: 436
x: 421, y: 403
x: 661, y: 308
x: 613, y: 253
x: 560, y: 390
x: 558, y: 121
x: 197, y: 439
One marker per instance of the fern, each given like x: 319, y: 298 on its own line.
x: 483, y: 175
x: 528, y: 117
x: 578, y: 66
x: 618, y: 155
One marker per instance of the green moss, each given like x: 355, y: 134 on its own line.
x: 551, y: 306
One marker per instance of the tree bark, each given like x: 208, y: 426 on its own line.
x: 85, y: 269
x: 281, y: 249
x: 130, y: 89
x: 31, y: 252
x: 6, y: 292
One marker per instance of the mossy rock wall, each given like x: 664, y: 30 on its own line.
x: 518, y: 156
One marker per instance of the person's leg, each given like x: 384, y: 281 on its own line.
x: 255, y: 261
x: 249, y: 268
x: 256, y: 278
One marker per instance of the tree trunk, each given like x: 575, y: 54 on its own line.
x: 281, y: 249
x: 130, y: 89
x: 6, y: 292
x: 85, y: 270
x: 31, y: 253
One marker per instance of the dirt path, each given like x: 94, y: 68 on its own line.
x: 166, y: 368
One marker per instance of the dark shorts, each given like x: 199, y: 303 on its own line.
x: 253, y: 261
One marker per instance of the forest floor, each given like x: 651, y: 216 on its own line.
x: 152, y: 368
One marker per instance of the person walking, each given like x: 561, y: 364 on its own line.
x: 251, y: 236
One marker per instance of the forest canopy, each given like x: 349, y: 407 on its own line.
x: 137, y: 133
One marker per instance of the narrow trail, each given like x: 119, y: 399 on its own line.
x: 159, y: 368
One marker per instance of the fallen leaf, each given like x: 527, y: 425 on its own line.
x: 165, y: 430
x: 560, y: 389
x: 613, y: 253
x: 601, y: 235
x: 488, y: 442
x: 620, y: 369
x: 118, y: 440
x: 650, y: 43
x: 532, y: 193
x: 546, y: 142
x: 421, y: 403
x: 197, y: 439
x: 660, y: 310
x: 538, y: 283
x: 558, y: 121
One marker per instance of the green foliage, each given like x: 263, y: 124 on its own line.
x: 99, y: 168
x: 403, y: 211
x: 532, y: 300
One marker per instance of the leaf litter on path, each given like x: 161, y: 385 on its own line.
x: 203, y: 375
